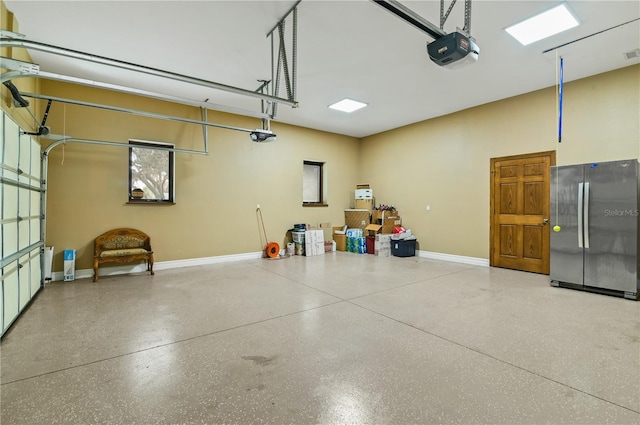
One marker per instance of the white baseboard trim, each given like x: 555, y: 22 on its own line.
x: 162, y: 265
x: 174, y: 264
x: 475, y: 261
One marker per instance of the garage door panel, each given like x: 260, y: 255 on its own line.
x: 36, y: 267
x: 20, y: 226
x: 10, y: 292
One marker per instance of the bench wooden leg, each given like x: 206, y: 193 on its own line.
x: 150, y: 264
x: 95, y: 269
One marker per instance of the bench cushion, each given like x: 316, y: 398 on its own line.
x: 122, y: 252
x: 122, y: 242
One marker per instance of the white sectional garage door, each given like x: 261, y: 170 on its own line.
x: 21, y: 244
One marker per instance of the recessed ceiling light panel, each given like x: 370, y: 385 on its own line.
x: 347, y: 105
x: 543, y: 25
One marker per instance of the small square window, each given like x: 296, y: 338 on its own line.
x: 151, y: 172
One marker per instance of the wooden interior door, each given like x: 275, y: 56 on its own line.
x: 520, y: 200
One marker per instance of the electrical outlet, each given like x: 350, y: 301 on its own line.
x: 258, y: 206
x: 428, y: 207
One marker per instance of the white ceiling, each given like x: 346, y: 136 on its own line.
x: 345, y: 49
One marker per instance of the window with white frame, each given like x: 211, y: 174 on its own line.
x: 151, y: 172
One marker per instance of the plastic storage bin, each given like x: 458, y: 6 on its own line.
x: 403, y: 248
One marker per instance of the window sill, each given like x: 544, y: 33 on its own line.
x: 148, y: 202
x: 309, y: 204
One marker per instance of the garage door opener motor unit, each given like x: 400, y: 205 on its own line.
x: 449, y: 50
x: 453, y: 50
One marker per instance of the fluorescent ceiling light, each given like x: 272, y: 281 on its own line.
x: 347, y: 105
x: 544, y: 25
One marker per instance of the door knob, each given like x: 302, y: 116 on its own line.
x: 545, y: 221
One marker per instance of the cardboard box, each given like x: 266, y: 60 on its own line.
x: 364, y: 193
x: 69, y: 265
x: 327, y: 230
x: 382, y: 245
x: 388, y: 224
x: 340, y: 238
x: 314, y: 242
x: 373, y: 228
x: 310, y: 236
x: 364, y: 204
x: 377, y: 215
x: 357, y: 218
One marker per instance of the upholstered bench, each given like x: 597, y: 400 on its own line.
x: 122, y: 245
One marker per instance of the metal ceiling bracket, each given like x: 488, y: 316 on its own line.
x: 443, y: 15
x: 467, y: 15
x: 280, y: 64
x: 34, y: 45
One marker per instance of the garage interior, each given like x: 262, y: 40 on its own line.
x: 221, y: 333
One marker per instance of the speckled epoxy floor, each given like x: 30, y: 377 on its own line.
x: 335, y: 339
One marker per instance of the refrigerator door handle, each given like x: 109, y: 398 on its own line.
x: 580, y: 203
x: 586, y: 215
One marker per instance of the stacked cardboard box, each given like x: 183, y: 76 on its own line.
x: 340, y: 238
x: 313, y: 242
x: 390, y: 223
x: 365, y: 204
x: 363, y: 191
x: 357, y: 218
x: 383, y: 245
x: 364, y: 197
x: 388, y: 219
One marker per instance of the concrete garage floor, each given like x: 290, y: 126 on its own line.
x: 335, y: 339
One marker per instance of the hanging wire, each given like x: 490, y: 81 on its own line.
x: 264, y: 230
x: 560, y: 99
x: 558, y: 114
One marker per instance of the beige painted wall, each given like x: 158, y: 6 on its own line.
x: 444, y: 162
x: 216, y: 195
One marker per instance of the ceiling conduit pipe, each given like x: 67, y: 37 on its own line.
x: 8, y: 76
x: 60, y: 51
x: 411, y: 17
x: 136, y: 112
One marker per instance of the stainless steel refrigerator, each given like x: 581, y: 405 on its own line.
x: 594, y: 227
